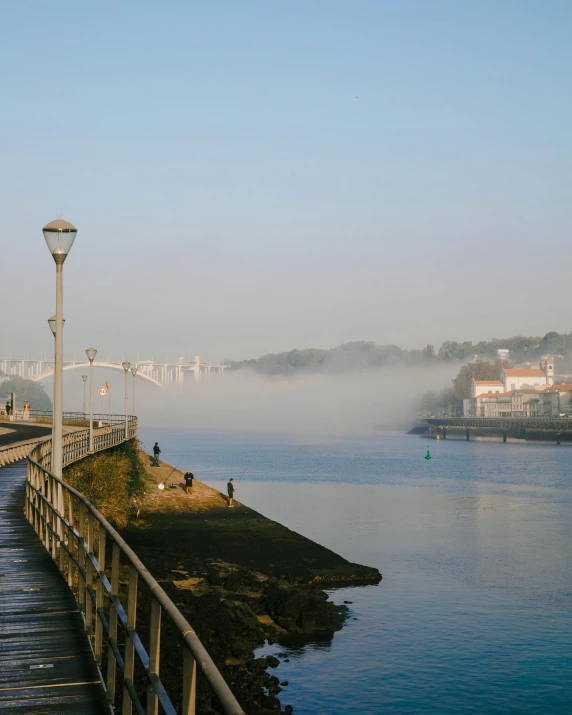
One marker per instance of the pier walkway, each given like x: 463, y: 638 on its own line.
x: 70, y: 592
x: 47, y: 664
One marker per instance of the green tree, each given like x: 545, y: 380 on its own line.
x: 429, y: 353
x: 474, y: 371
x: 25, y: 390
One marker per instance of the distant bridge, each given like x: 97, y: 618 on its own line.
x: 161, y: 374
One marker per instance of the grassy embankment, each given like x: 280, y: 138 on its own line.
x: 239, y: 578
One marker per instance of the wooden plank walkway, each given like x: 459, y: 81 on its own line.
x: 46, y: 663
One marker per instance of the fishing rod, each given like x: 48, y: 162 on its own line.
x: 248, y: 465
x: 161, y: 485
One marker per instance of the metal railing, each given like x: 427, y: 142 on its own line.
x: 105, y: 574
x: 45, y: 416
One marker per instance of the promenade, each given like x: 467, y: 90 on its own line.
x: 46, y: 661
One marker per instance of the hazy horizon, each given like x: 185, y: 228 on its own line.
x: 257, y: 177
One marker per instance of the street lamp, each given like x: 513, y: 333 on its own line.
x: 84, y: 378
x: 133, y: 372
x: 52, y: 324
x: 91, y: 353
x: 126, y: 365
x: 59, y: 236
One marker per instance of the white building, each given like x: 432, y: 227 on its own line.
x: 521, y: 392
x: 480, y: 387
x: 517, y: 378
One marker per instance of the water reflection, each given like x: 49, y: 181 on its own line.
x: 473, y: 613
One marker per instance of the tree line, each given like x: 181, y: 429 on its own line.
x: 362, y: 355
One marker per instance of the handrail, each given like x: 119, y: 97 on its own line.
x: 81, y: 541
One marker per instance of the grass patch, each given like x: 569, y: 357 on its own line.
x: 111, y: 480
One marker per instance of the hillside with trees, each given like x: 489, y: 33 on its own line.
x: 24, y: 390
x: 363, y: 355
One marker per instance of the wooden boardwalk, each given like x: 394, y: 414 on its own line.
x: 46, y: 663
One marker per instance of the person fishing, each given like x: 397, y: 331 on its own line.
x: 156, y: 453
x: 230, y: 490
x: 188, y: 481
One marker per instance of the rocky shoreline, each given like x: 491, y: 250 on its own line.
x: 241, y: 580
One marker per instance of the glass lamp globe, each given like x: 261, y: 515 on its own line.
x: 125, y: 365
x: 59, y: 236
x: 91, y: 353
x: 52, y: 324
x: 134, y: 370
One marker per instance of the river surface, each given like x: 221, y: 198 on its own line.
x: 474, y: 611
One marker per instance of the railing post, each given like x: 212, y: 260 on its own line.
x: 71, y: 542
x: 154, y: 655
x: 61, y: 530
x: 54, y: 515
x: 81, y: 580
x: 99, y: 595
x: 111, y: 661
x: 189, y: 682
x: 129, y: 646
x: 89, y: 577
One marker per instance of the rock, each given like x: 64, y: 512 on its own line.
x: 272, y: 661
x: 213, y: 578
x: 348, y: 602
x: 302, y: 611
x: 284, y: 683
x: 232, y: 581
x: 271, y: 703
x: 288, y: 710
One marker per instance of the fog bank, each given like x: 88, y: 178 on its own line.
x: 306, y: 404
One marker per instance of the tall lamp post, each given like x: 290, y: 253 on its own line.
x: 126, y: 365
x: 59, y: 236
x: 133, y: 372
x: 91, y: 353
x: 52, y: 324
x: 84, y: 378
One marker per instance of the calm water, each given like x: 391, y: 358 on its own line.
x: 473, y: 614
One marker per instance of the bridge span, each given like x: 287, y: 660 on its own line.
x: 161, y: 374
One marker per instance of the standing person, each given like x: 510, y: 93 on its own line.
x: 8, y: 408
x: 26, y: 410
x: 156, y: 453
x: 189, y: 481
x: 230, y: 490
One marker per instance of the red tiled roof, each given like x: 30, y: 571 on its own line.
x: 520, y: 372
x: 565, y: 387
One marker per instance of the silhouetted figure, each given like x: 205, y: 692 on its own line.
x: 156, y: 453
x: 8, y: 408
x: 189, y: 482
x: 230, y: 490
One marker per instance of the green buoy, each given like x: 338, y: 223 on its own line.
x: 428, y: 455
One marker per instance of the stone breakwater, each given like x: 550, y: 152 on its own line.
x: 241, y: 580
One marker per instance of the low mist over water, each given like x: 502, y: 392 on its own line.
x: 310, y: 403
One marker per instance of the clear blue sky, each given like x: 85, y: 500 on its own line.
x: 234, y: 197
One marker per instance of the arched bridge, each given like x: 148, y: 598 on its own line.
x: 161, y: 374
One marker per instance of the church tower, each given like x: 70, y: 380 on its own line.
x: 547, y: 364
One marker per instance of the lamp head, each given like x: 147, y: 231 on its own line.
x: 52, y: 324
x: 91, y: 353
x: 125, y: 365
x: 59, y: 235
x: 84, y: 378
x: 134, y: 370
